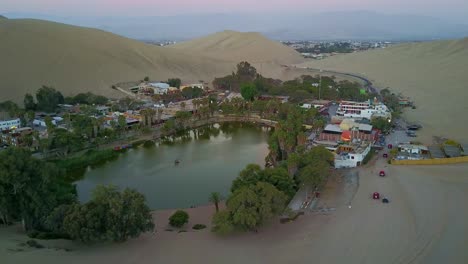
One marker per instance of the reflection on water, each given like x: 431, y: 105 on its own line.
x: 210, y: 158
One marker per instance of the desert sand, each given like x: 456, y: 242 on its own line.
x: 76, y: 59
x: 425, y: 222
x: 237, y: 46
x: 433, y: 74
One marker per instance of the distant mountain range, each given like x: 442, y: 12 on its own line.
x: 356, y: 25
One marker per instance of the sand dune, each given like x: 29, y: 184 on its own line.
x: 75, y: 59
x: 434, y: 74
x: 237, y: 46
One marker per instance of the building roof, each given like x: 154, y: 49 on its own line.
x: 411, y: 146
x: 452, y: 151
x: 101, y: 108
x: 464, y: 146
x: 21, y: 129
x: 365, y: 127
x: 436, y: 152
x: 160, y: 85
x: 324, y: 102
x: 312, y: 136
x: 333, y: 128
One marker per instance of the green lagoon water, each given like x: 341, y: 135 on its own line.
x: 210, y: 158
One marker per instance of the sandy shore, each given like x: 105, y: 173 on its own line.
x: 426, y: 222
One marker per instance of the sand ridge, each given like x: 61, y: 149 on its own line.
x: 77, y: 59
x: 237, y: 46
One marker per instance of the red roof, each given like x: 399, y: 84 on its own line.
x: 346, y: 135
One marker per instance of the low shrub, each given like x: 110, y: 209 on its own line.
x: 90, y: 158
x: 451, y: 143
x: 148, y: 144
x: 138, y: 143
x: 179, y: 218
x: 47, y: 235
x: 368, y: 157
x: 199, y: 227
x: 34, y: 244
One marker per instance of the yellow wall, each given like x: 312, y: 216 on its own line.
x: 431, y: 161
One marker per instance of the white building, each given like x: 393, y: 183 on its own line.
x: 306, y: 106
x: 41, y: 122
x: 159, y: 88
x: 350, y: 156
x: 366, y: 109
x: 9, y: 124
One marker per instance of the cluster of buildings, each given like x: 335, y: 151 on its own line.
x: 151, y: 88
x: 321, y: 49
x: 349, y: 133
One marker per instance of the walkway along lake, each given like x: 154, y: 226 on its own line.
x: 210, y: 158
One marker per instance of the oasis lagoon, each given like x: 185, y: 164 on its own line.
x: 210, y: 158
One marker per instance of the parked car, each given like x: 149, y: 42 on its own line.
x: 390, y: 146
x: 385, y: 155
x: 376, y: 196
x: 385, y: 200
x: 382, y: 173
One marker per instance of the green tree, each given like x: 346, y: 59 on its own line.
x: 146, y: 79
x: 317, y: 154
x: 382, y: 124
x: 11, y: 108
x: 48, y: 99
x: 182, y: 117
x: 49, y: 124
x: 179, y: 218
x: 29, y: 103
x: 215, y: 198
x: 110, y: 215
x: 314, y: 174
x: 253, y: 206
x: 66, y: 141
x: 174, y: 82
x: 245, y: 71
x: 277, y: 177
x: 293, y: 163
x: 30, y: 188
x: 248, y: 91
x: 222, y: 223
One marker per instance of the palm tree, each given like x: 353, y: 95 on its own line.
x: 215, y: 198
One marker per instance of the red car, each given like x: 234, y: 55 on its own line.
x: 390, y: 146
x: 376, y: 196
x: 382, y: 173
x: 385, y: 155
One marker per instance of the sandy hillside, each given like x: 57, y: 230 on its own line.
x: 237, y: 46
x: 75, y: 59
x: 434, y: 74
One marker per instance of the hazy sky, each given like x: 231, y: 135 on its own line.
x: 438, y: 8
